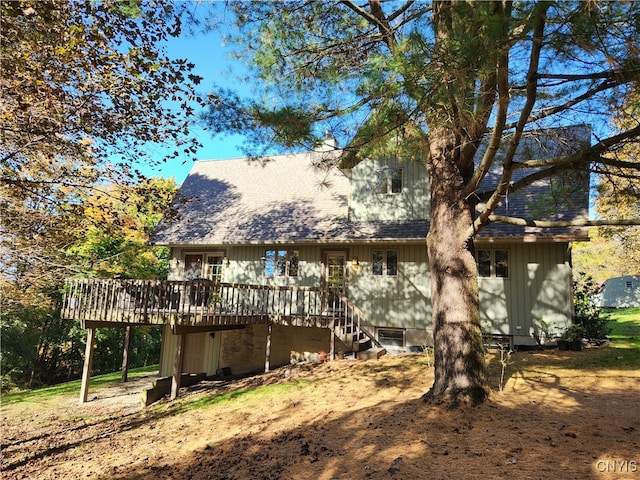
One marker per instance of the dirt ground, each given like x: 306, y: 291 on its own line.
x: 347, y: 419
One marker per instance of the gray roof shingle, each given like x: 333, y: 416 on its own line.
x: 288, y: 199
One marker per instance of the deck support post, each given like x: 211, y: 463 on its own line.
x: 268, y: 359
x: 86, y: 369
x: 177, y: 366
x: 125, y: 354
x: 332, y: 347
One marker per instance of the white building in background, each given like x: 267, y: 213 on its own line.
x: 621, y: 292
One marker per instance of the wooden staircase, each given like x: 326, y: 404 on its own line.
x: 350, y: 331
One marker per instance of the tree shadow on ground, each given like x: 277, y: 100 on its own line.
x: 540, y: 429
x: 363, y: 420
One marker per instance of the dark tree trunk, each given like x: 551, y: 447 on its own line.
x: 458, y: 350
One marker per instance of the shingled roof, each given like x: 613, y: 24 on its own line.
x: 290, y: 199
x: 562, y: 197
x: 283, y: 199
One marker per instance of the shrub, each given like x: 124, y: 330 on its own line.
x: 587, y: 313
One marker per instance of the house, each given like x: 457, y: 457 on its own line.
x: 305, y: 223
x: 620, y: 292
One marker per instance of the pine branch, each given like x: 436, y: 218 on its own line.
x: 584, y: 222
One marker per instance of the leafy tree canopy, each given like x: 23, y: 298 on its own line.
x: 436, y: 81
x: 86, y: 88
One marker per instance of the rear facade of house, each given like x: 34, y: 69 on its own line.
x: 302, y: 221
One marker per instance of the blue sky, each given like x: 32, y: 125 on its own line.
x: 212, y: 62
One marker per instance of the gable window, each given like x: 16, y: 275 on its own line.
x: 280, y: 263
x: 389, y: 180
x: 385, y: 262
x: 493, y: 263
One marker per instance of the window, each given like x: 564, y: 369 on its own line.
x: 213, y: 267
x: 389, y: 180
x: 385, y: 262
x: 493, y: 263
x: 192, y: 266
x: 629, y: 284
x: 280, y: 263
x: 391, y: 337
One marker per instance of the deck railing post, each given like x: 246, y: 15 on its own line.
x: 125, y: 354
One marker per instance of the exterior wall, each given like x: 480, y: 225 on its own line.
x: 368, y: 205
x: 621, y: 292
x: 245, y: 350
x: 400, y: 301
x: 538, y: 288
x: 201, y: 352
x: 245, y: 265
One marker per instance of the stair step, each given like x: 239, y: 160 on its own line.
x: 372, y: 353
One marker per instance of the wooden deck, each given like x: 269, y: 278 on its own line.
x: 202, y: 303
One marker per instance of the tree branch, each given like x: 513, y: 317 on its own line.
x: 621, y: 76
x: 502, y: 85
x: 588, y: 154
x: 534, y: 61
x: 529, y: 222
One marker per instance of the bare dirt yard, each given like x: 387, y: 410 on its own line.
x: 557, y: 417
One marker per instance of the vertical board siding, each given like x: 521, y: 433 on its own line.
x: 537, y: 289
x: 211, y: 352
x: 410, y: 204
x: 245, y: 266
x: 401, y: 301
x: 169, y: 346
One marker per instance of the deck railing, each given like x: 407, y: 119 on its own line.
x: 203, y: 302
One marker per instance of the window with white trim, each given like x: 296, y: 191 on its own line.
x: 493, y: 263
x: 385, y: 262
x: 213, y: 267
x: 389, y: 180
x: 280, y: 263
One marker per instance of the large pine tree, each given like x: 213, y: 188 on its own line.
x: 434, y: 80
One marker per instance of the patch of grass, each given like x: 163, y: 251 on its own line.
x: 622, y: 354
x: 73, y: 387
x: 252, y: 393
x: 625, y: 327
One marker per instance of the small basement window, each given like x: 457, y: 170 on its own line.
x: 391, y: 337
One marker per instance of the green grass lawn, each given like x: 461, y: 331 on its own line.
x: 624, y: 351
x: 72, y: 388
x: 625, y: 326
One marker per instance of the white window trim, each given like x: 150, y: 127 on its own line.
x: 204, y: 255
x: 289, y: 253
